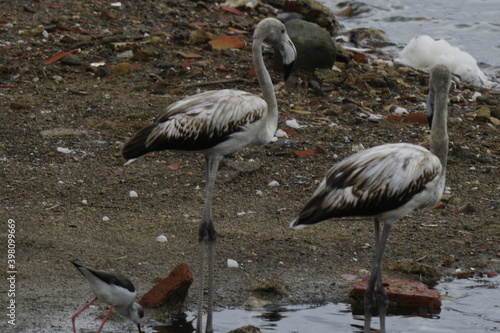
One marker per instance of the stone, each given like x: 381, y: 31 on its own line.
x: 483, y: 114
x: 122, y: 68
x: 72, y: 60
x: 426, y: 273
x: 246, y: 329
x: 315, y: 47
x: 410, y: 296
x: 315, y: 11
x: 171, y: 290
x: 495, y: 121
x: 253, y: 303
x: 468, y: 208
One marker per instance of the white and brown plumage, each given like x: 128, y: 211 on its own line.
x: 217, y: 123
x: 386, y: 182
x: 114, y: 289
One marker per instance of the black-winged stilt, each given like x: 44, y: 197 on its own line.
x: 114, y: 289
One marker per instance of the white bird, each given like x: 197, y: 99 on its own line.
x: 386, y: 182
x: 217, y: 123
x: 114, y: 289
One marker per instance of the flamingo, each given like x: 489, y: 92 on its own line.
x: 217, y: 123
x: 386, y: 182
x: 113, y: 289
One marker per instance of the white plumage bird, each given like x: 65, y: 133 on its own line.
x: 114, y: 289
x: 386, y: 182
x: 217, y: 123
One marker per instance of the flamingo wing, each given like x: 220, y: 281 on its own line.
x: 198, y: 122
x: 372, y: 182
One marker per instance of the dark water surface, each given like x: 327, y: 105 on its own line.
x: 469, y: 305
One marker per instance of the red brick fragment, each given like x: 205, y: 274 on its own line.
x: 171, y: 290
x: 416, y: 118
x: 403, y: 293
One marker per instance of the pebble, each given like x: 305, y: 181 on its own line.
x: 292, y: 123
x: 356, y: 148
x: 232, y: 263
x: 280, y: 133
x: 125, y: 54
x: 65, y: 150
x: 273, y: 183
x: 122, y: 68
x: 468, y: 208
x: 72, y: 60
x: 133, y: 194
x: 105, y: 219
x: 400, y: 111
x: 161, y: 239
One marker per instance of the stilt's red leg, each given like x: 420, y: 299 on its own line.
x: 80, y: 311
x: 104, y: 320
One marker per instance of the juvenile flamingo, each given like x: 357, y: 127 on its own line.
x: 386, y: 182
x: 216, y: 123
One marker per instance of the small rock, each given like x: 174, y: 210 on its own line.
x: 72, y: 60
x: 280, y: 133
x: 106, y: 14
x: 400, y: 111
x: 105, y: 219
x: 125, y: 54
x: 65, y: 150
x: 246, y: 329
x: 468, y: 208
x: 273, y: 183
x: 495, y: 121
x: 292, y: 123
x: 122, y: 68
x: 483, y: 114
x: 133, y: 194
x: 161, y: 239
x: 427, y: 273
x: 253, y: 303
x: 232, y: 263
x: 19, y: 106
x: 270, y: 288
x: 171, y: 290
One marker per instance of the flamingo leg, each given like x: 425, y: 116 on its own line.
x: 104, y: 320
x: 376, y: 279
x: 80, y: 311
x: 207, y: 235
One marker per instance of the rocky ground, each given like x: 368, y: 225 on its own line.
x: 63, y: 183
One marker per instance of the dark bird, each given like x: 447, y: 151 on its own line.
x: 216, y: 123
x: 114, y: 289
x: 386, y: 182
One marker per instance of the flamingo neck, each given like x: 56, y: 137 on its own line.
x: 265, y: 83
x: 439, y: 131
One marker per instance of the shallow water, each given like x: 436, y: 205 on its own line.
x: 471, y: 25
x: 469, y: 305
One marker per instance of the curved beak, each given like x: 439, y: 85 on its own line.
x: 289, y: 55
